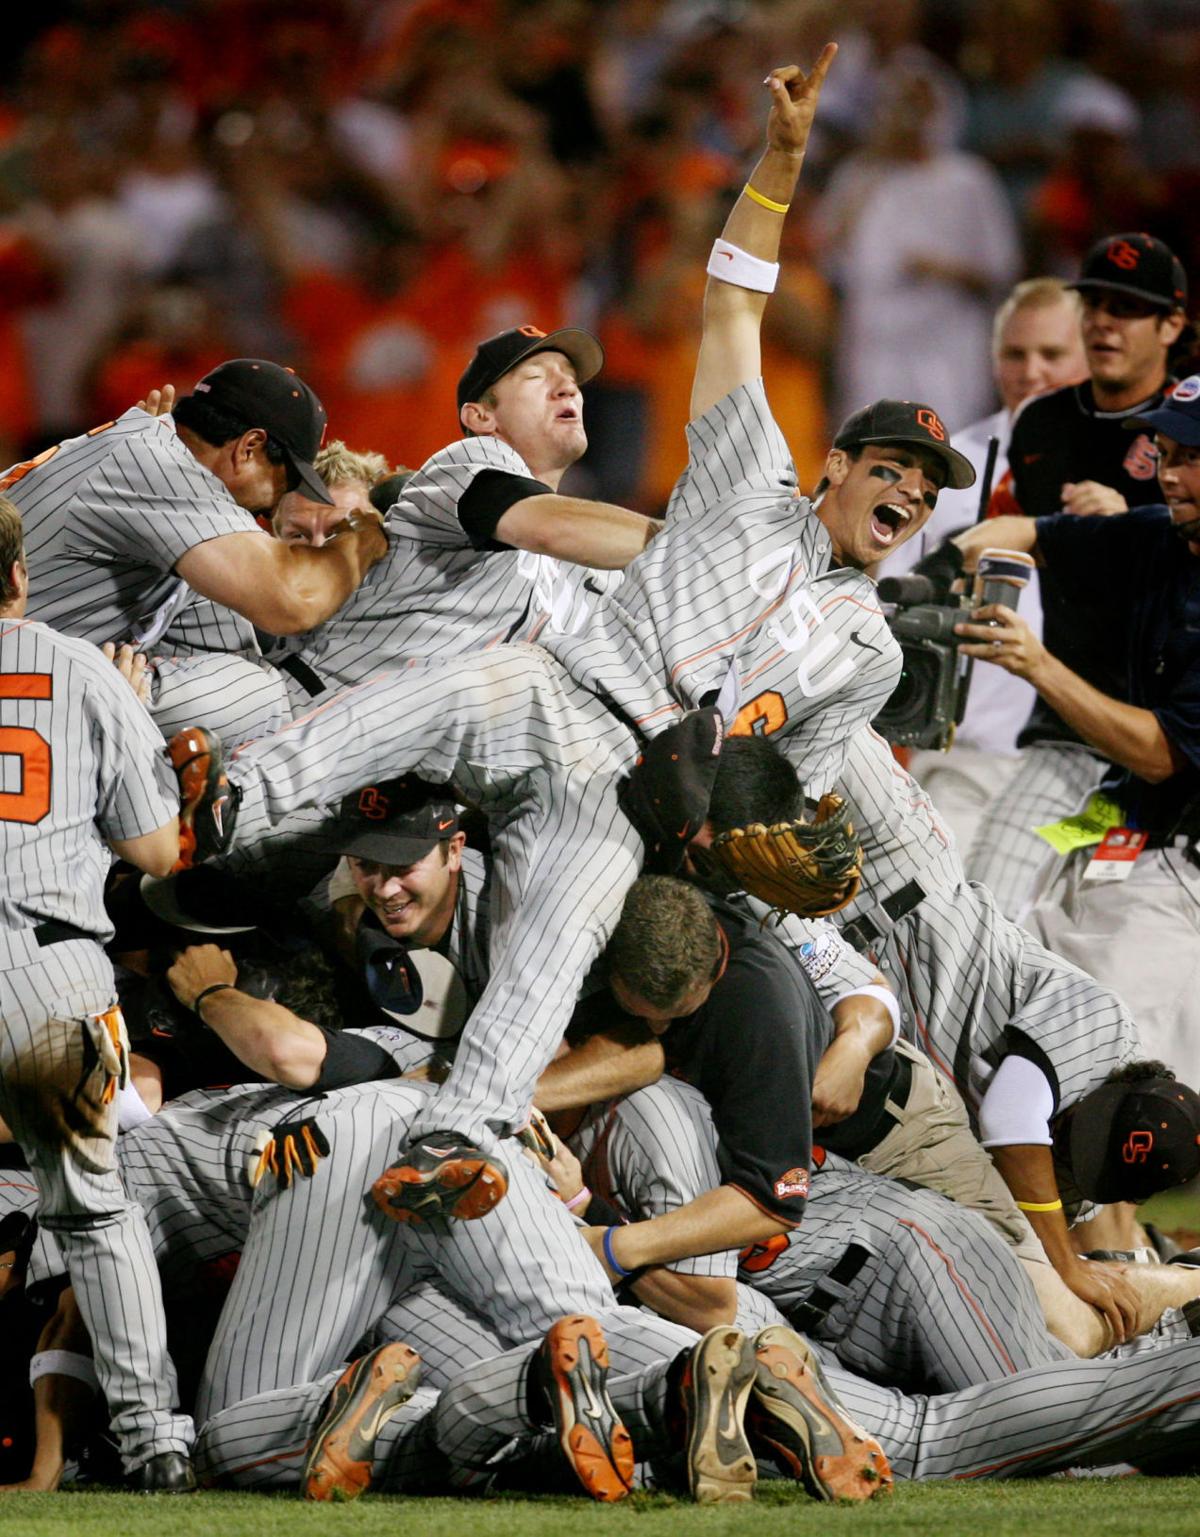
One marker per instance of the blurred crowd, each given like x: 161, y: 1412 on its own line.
x: 363, y: 188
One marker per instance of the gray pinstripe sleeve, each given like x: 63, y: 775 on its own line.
x: 430, y: 500
x: 735, y: 446
x: 137, y: 789
x: 152, y: 499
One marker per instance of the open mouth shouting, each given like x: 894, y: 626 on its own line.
x: 888, y: 523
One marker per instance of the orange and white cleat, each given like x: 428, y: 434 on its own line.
x: 796, y: 1420
x: 441, y: 1175
x: 341, y: 1454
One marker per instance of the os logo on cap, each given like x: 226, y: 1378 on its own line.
x: 373, y: 804
x: 931, y: 422
x: 1123, y: 255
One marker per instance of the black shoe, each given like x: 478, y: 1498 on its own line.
x: 441, y: 1175
x: 1162, y: 1243
x: 164, y: 1473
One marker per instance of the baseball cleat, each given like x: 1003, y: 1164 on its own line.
x: 207, y: 801
x: 797, y: 1421
x: 573, y: 1365
x: 341, y: 1453
x: 717, y: 1379
x: 441, y: 1175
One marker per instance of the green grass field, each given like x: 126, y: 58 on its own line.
x: 1100, y: 1508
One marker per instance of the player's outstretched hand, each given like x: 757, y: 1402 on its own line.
x: 198, y: 967
x: 794, y: 97
x: 160, y: 402
x: 1007, y: 641
x: 132, y: 666
x: 1107, y: 1290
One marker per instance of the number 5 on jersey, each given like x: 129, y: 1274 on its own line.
x: 32, y: 801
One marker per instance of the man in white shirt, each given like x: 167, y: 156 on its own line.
x: 1036, y: 346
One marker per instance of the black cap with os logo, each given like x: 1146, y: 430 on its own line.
x: 1135, y: 264
x: 907, y: 421
x: 496, y: 356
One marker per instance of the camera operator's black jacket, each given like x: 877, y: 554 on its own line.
x: 1151, y: 584
x: 1062, y: 437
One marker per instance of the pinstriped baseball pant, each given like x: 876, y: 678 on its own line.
x: 1053, y: 781
x: 51, y: 1095
x: 543, y: 758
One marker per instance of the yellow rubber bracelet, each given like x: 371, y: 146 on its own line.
x: 765, y: 202
x: 1039, y: 1206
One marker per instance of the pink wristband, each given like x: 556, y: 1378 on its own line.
x: 580, y: 1196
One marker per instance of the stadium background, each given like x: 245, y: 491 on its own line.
x: 363, y: 188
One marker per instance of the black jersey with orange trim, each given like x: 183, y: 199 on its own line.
x: 1059, y: 438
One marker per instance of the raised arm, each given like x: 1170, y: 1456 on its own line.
x: 730, y: 349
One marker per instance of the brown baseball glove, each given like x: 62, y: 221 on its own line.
x: 811, y: 868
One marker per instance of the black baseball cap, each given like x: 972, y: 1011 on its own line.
x: 496, y: 356
x: 907, y: 421
x: 263, y: 394
x: 382, y: 822
x: 1136, y: 264
x: 1130, y: 1140
x: 1178, y: 416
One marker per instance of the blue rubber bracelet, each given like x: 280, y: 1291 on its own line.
x: 614, y: 1263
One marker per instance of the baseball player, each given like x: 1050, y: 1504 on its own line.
x: 883, y: 474
x: 84, y: 776
x: 1070, y: 450
x: 142, y: 531
x: 483, y: 548
x: 904, y: 1285
x: 515, y: 1267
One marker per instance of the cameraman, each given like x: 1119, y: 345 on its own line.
x: 1130, y: 921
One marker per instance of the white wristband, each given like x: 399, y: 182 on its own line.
x: 63, y: 1363
x: 733, y: 265
x: 885, y: 996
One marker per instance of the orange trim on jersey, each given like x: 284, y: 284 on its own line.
x: 927, y: 1045
x: 732, y: 640
x: 822, y: 608
x: 265, y: 1462
x: 964, y: 1289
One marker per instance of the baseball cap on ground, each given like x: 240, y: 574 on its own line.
x: 1135, y: 264
x: 496, y: 356
x: 1178, y: 416
x: 907, y: 421
x: 1130, y: 1140
x: 262, y: 394
x: 384, y: 823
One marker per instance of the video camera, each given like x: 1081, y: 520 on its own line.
x: 922, y: 610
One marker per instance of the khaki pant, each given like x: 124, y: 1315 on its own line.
x: 933, y: 1145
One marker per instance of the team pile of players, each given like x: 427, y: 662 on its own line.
x: 552, y: 1160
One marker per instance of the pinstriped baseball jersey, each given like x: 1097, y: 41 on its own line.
x: 970, y: 975
x: 107, y: 515
x: 938, y: 1302
x: 740, y: 575
x: 437, y: 593
x: 966, y: 976
x: 78, y: 756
